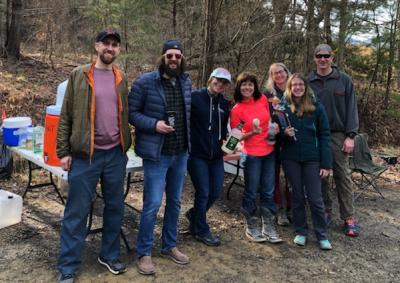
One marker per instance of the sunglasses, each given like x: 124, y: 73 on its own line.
x: 319, y: 56
x: 171, y: 55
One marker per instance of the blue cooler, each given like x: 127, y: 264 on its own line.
x: 11, y: 125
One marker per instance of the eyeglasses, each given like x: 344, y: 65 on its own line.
x: 319, y: 56
x: 171, y: 55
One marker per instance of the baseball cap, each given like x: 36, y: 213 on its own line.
x: 221, y: 73
x: 172, y: 44
x: 108, y: 33
x: 323, y: 47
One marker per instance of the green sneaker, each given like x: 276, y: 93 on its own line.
x: 300, y: 240
x: 325, y: 245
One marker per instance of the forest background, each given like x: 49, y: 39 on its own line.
x: 41, y: 41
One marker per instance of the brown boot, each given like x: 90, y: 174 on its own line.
x: 175, y: 255
x: 145, y: 265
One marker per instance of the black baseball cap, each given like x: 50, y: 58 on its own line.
x: 108, y: 33
x: 172, y: 44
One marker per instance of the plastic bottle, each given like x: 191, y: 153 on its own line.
x: 233, y: 139
x: 271, y: 134
x: 38, y: 133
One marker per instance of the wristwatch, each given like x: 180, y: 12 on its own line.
x: 351, y: 135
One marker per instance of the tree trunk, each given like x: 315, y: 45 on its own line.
x: 343, y: 25
x: 392, y: 44
x: 209, y: 38
x: 308, y: 55
x: 327, y: 9
x: 14, y: 30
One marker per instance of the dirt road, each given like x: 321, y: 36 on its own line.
x: 28, y: 250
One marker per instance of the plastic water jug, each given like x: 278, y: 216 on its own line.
x: 60, y: 92
x: 10, y: 208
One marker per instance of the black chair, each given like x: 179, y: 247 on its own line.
x: 361, y: 162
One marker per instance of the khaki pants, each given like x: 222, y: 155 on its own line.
x: 341, y: 176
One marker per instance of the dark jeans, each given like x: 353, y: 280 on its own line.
x: 259, y: 177
x: 341, y: 175
x: 108, y: 166
x: 208, y: 179
x: 305, y: 181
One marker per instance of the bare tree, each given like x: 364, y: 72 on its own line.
x: 14, y: 30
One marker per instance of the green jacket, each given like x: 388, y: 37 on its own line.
x: 75, y: 133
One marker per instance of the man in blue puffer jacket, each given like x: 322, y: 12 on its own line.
x: 159, y: 108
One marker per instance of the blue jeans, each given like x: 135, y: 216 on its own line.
x: 108, y: 166
x: 169, y: 174
x: 305, y: 181
x: 208, y: 179
x: 259, y: 177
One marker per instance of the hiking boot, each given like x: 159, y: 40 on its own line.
x: 176, y: 256
x: 351, y: 227
x: 209, y: 240
x: 268, y: 226
x: 253, y: 227
x: 66, y: 278
x: 325, y: 245
x: 281, y: 218
x: 300, y: 240
x: 189, y: 217
x: 145, y: 265
x: 114, y: 266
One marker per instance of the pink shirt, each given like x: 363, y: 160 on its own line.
x: 106, y: 130
x: 246, y: 111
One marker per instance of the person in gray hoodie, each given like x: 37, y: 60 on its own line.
x: 336, y: 91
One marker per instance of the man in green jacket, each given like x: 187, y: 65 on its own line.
x: 92, y: 139
x: 336, y: 91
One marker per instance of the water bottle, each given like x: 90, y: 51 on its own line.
x: 271, y: 133
x: 233, y: 139
x: 38, y: 134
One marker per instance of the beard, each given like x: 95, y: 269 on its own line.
x: 173, y: 73
x: 107, y: 60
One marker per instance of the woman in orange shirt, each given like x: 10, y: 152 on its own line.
x: 252, y: 110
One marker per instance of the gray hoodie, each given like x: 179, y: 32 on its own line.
x: 336, y: 92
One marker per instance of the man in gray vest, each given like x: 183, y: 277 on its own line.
x: 336, y: 91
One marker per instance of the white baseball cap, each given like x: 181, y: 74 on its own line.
x: 221, y: 73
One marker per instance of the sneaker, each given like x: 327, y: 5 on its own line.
x: 176, y: 256
x: 300, y: 240
x: 66, y: 278
x: 281, y: 218
x: 145, y: 265
x: 351, y: 228
x: 255, y: 235
x: 325, y: 245
x: 209, y: 240
x: 114, y: 266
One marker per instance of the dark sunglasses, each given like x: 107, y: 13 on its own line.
x: 319, y: 56
x: 171, y: 55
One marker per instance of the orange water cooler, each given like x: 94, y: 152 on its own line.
x: 50, y: 135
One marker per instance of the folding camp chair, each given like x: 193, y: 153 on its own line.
x: 361, y: 162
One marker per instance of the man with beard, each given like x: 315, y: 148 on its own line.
x: 92, y: 140
x: 159, y: 108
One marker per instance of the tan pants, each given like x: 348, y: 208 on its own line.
x: 341, y: 176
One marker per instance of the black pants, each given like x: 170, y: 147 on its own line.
x: 305, y: 181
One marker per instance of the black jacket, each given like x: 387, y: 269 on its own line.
x: 208, y: 124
